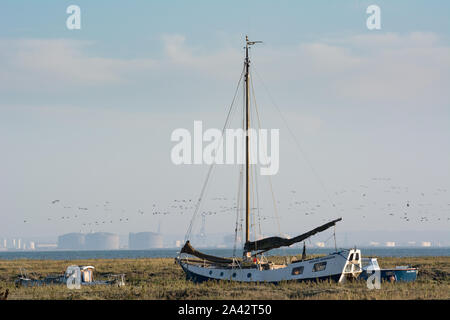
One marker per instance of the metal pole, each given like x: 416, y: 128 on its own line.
x: 247, y: 157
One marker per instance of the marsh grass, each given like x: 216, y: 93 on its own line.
x: 161, y: 278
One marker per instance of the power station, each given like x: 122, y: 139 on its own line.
x: 102, y: 241
x: 109, y: 241
x: 72, y: 241
x: 145, y: 240
x: 90, y: 241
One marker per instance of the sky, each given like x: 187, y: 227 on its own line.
x: 86, y: 115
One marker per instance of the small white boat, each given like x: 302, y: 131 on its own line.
x: 85, y: 277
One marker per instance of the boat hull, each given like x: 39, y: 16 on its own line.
x: 335, y: 267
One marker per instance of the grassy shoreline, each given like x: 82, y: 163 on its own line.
x: 161, y: 278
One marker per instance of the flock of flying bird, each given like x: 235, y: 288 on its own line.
x: 421, y: 209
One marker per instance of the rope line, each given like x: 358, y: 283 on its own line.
x: 269, y: 178
x: 297, y: 143
x: 199, y: 201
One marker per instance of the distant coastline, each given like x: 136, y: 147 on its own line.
x: 171, y: 253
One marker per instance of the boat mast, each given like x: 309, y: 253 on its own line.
x: 247, y: 151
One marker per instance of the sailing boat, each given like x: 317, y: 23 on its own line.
x: 337, y: 266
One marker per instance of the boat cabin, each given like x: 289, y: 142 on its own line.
x: 87, y: 273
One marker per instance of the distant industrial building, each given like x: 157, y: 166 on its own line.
x: 426, y: 244
x: 72, y: 241
x: 145, y: 240
x: 320, y: 244
x: 390, y: 244
x: 101, y: 241
x: 90, y: 241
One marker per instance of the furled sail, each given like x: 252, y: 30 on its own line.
x: 190, y: 250
x: 276, y: 242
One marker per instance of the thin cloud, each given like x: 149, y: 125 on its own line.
x: 35, y: 63
x: 391, y: 68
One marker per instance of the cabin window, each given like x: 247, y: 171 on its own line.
x: 356, y: 256
x: 234, y: 274
x: 298, y: 270
x: 210, y: 272
x: 221, y: 274
x: 320, y: 266
x: 249, y: 275
x: 351, y: 257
